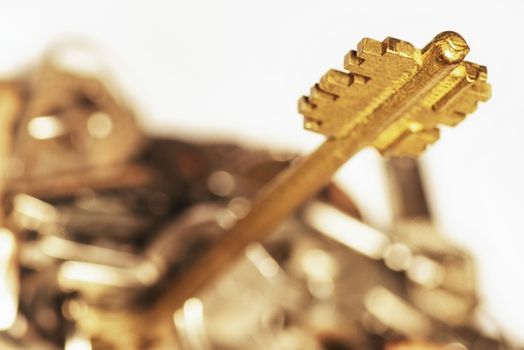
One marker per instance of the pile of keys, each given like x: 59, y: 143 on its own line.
x: 112, y: 239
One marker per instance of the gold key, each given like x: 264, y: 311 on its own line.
x: 393, y: 98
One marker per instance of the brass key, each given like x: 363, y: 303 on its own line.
x: 393, y: 98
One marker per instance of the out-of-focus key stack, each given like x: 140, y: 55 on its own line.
x: 98, y: 220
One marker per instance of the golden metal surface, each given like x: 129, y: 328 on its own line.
x: 393, y: 99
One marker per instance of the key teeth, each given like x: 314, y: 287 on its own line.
x: 478, y: 75
x: 336, y: 82
x: 466, y: 100
x: 467, y: 108
x: 368, y: 46
x: 319, y: 96
x: 352, y: 61
x: 453, y: 119
x: 312, y: 124
x: 458, y: 111
x: 483, y: 74
x: 400, y: 47
x: 305, y: 107
x: 389, y: 46
x: 411, y: 144
x: 308, y: 110
x: 482, y: 91
x: 476, y: 72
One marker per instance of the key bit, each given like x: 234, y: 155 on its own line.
x: 393, y: 99
x: 393, y: 78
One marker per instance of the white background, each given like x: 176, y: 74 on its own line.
x: 234, y: 70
